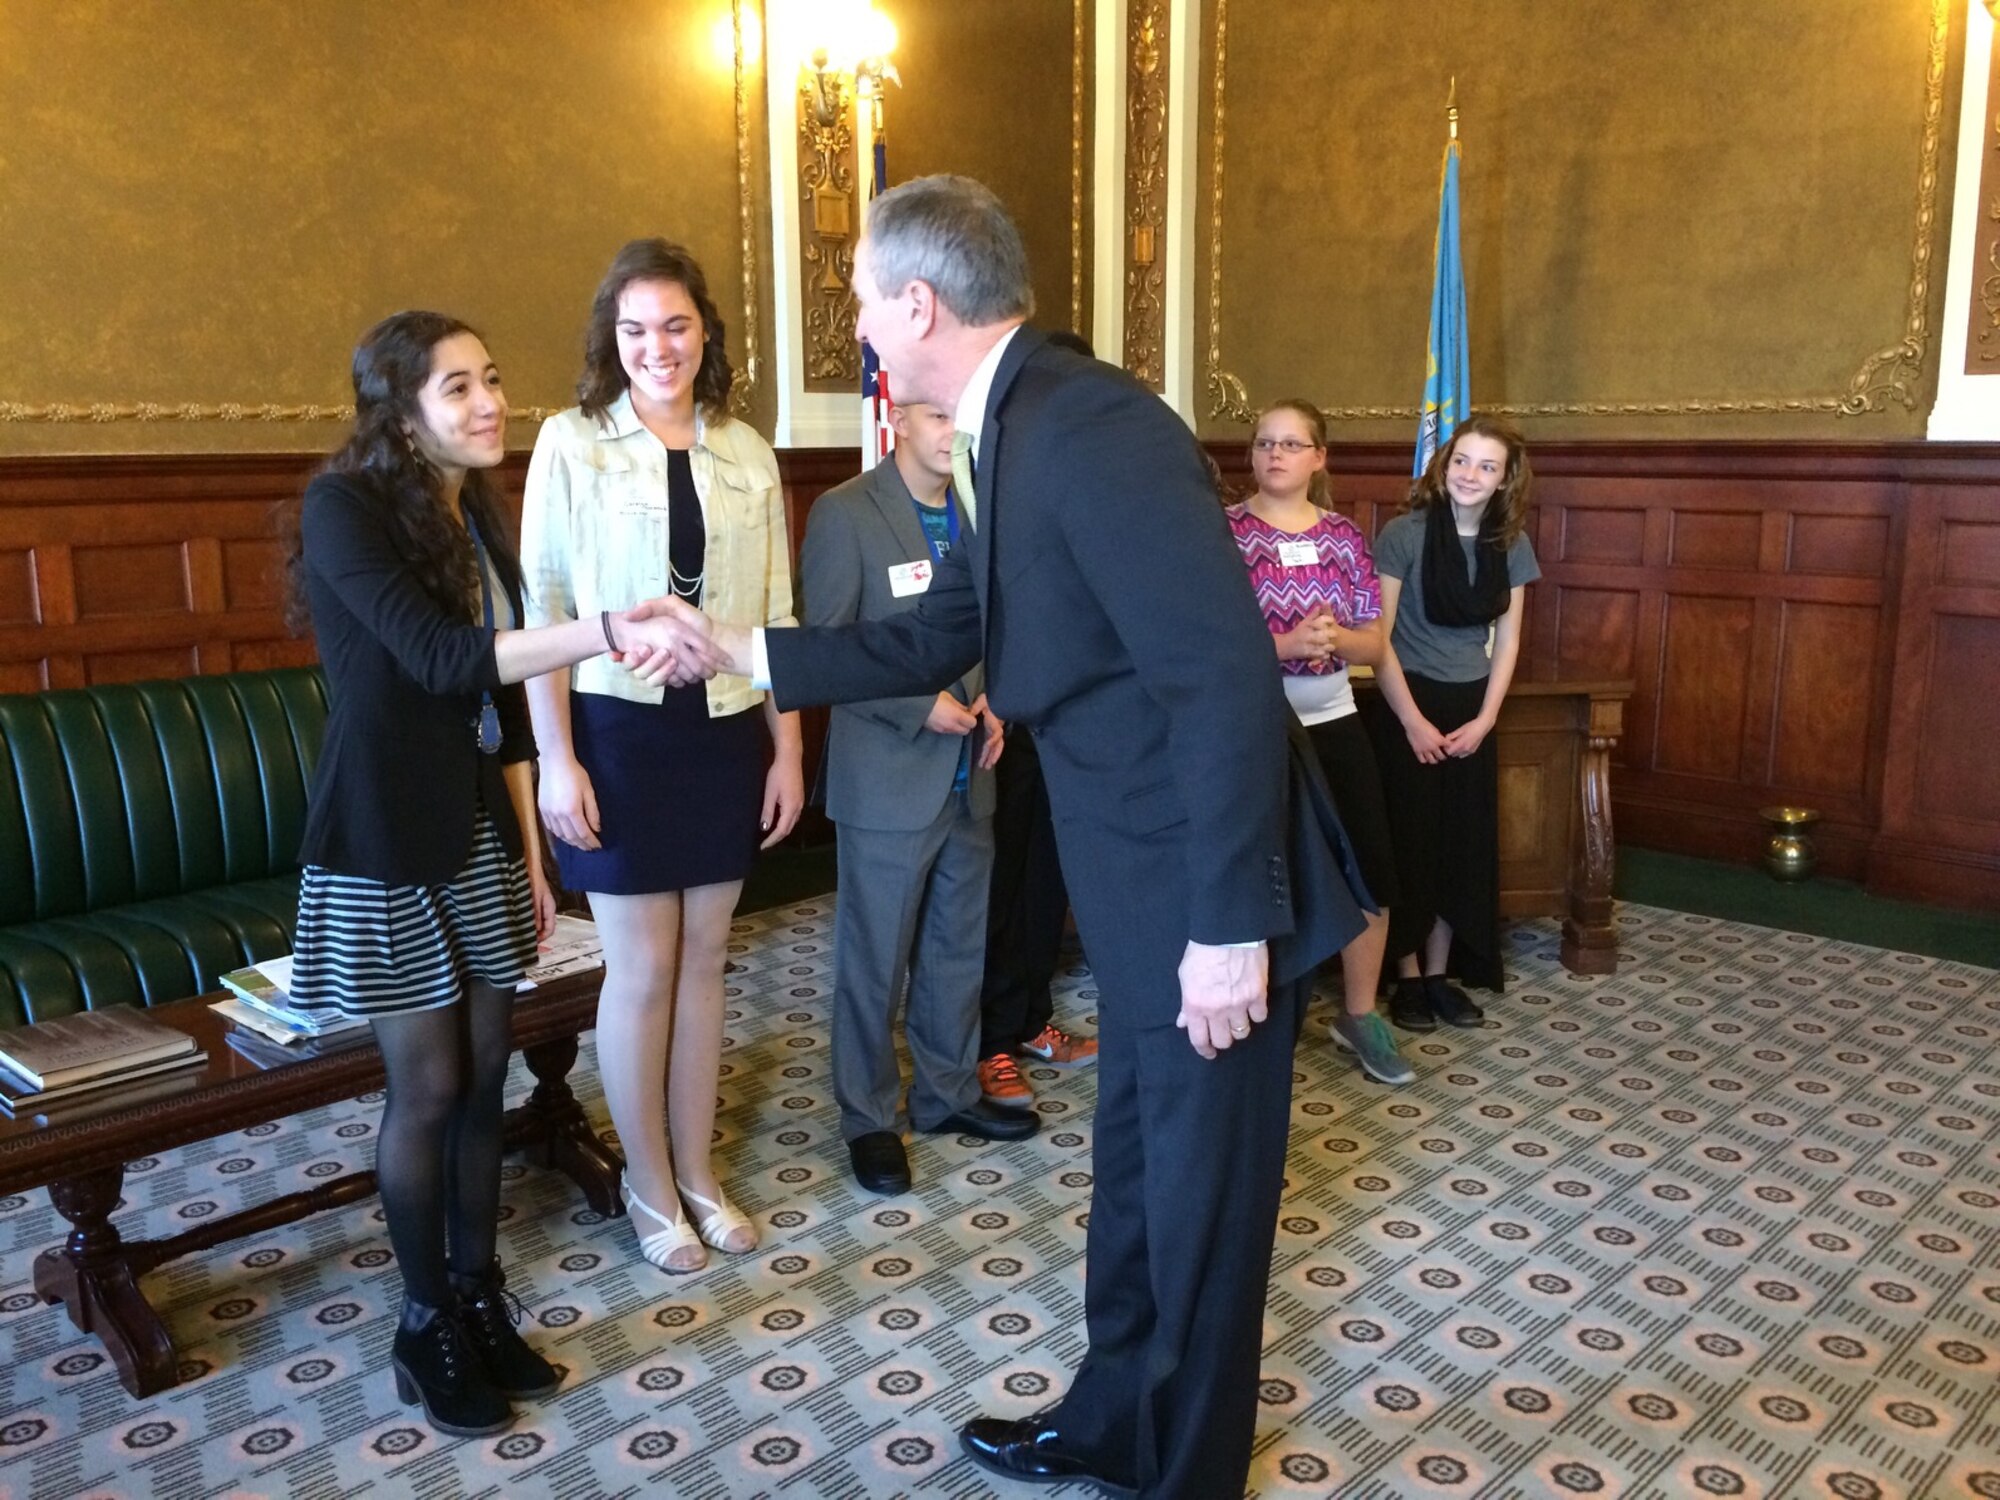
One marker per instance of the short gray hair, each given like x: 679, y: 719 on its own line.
x: 952, y: 233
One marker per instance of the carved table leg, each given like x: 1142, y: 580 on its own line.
x: 90, y: 1276
x: 1589, y: 942
x: 551, y: 1128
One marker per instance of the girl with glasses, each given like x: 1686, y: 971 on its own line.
x: 1455, y: 568
x: 1315, y: 582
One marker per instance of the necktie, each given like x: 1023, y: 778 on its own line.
x: 961, y: 477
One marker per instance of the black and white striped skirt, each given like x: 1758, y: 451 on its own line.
x: 369, y: 949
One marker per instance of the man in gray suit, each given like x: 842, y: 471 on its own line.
x: 909, y: 786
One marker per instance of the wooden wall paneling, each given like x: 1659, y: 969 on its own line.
x: 1803, y: 621
x: 17, y: 586
x: 1940, y: 807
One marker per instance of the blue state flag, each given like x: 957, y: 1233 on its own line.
x: 1447, y: 375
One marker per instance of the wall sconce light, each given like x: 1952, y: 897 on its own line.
x: 850, y: 48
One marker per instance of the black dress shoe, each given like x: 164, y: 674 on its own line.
x: 1029, y: 1450
x: 880, y: 1163
x: 989, y: 1122
x: 1410, y: 1006
x: 1452, y: 1005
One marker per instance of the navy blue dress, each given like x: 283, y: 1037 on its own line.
x: 679, y: 794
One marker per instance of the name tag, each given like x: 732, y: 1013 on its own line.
x: 1298, y: 554
x: 906, y: 579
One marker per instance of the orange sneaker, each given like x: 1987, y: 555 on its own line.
x: 1059, y: 1049
x: 1001, y: 1083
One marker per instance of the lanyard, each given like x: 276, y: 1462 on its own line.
x: 951, y: 524
x: 489, y: 716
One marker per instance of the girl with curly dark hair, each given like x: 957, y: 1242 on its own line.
x: 422, y: 896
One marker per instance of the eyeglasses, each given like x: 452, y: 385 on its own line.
x: 1288, y: 446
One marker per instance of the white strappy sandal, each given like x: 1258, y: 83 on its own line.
x: 718, y: 1221
x: 674, y: 1235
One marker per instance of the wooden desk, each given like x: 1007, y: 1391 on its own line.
x: 81, y: 1158
x: 1554, y: 742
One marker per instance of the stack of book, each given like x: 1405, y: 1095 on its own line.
x: 91, y: 1052
x: 263, y: 1006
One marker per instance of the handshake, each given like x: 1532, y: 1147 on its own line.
x: 669, y: 642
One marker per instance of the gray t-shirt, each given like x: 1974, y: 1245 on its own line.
x: 1443, y: 653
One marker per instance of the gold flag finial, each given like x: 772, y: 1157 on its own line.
x: 1451, y: 108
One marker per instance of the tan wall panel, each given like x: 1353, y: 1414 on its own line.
x: 989, y: 96
x: 209, y: 202
x: 1708, y: 202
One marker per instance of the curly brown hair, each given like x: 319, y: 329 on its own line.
x: 1507, y: 512
x: 392, y: 363
x: 604, y: 380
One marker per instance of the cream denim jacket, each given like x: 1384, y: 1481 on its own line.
x: 594, y: 534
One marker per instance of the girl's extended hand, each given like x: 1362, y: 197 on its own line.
x: 567, y: 802
x: 784, y: 798
x: 1468, y: 737
x: 1429, y: 746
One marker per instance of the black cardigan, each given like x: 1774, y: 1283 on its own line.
x: 400, y: 774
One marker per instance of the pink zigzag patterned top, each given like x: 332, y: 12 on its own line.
x: 1343, y: 579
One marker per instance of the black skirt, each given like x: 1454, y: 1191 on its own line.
x: 1347, y: 757
x: 679, y: 795
x: 1445, y: 822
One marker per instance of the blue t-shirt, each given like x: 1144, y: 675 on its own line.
x: 937, y: 523
x: 938, y: 529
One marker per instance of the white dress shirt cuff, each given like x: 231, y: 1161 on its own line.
x: 760, y: 661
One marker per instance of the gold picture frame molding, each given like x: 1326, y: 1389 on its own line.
x: 102, y: 412
x: 1887, y: 374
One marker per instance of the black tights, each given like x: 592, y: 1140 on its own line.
x: 437, y: 1157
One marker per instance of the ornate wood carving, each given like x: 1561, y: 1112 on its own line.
x: 829, y: 215
x: 1146, y: 191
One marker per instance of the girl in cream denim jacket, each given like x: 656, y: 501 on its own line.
x: 656, y: 804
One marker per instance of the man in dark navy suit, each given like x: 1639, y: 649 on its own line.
x: 1100, y: 586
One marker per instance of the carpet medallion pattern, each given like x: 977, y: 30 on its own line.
x: 1725, y: 1224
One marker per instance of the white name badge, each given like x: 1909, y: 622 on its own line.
x: 906, y: 579
x: 1298, y: 554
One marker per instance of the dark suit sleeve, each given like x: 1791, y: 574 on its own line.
x: 347, y: 545
x: 924, y: 650
x: 1148, y: 533
x: 830, y: 578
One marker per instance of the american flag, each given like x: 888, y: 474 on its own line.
x: 877, y: 436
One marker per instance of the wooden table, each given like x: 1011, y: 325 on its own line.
x: 1554, y: 743
x: 81, y: 1159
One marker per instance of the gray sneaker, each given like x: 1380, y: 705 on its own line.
x: 1373, y: 1045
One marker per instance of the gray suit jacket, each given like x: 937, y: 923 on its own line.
x: 884, y: 769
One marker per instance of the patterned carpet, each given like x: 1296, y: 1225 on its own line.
x: 1727, y: 1224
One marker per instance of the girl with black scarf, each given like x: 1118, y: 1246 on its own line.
x: 1454, y: 569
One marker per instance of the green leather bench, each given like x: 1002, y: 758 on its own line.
x: 149, y: 836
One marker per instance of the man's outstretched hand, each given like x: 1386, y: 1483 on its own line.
x: 667, y: 641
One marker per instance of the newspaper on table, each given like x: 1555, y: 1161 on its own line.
x: 574, y: 947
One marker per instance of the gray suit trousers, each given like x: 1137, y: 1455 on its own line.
x: 911, y: 907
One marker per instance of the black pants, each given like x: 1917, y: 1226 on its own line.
x: 1026, y: 907
x: 1189, y: 1166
